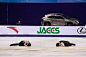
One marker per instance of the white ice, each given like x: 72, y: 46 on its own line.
x: 42, y: 47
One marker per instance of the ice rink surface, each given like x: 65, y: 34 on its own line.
x: 42, y: 47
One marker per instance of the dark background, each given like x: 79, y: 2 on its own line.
x: 31, y: 13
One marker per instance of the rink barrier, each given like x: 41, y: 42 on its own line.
x: 43, y: 36
x: 43, y: 31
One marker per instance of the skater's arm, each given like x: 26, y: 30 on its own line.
x: 27, y: 43
x: 62, y: 44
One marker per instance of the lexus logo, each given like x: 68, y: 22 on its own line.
x: 81, y: 30
x: 13, y: 28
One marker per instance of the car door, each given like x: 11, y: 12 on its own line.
x: 53, y: 20
x: 60, y: 21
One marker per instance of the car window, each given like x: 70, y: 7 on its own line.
x: 59, y: 17
x: 67, y: 17
x: 55, y: 17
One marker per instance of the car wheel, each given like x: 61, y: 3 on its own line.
x: 47, y: 24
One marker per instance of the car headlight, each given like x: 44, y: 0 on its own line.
x: 76, y: 21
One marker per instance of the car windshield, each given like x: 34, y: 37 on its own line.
x: 66, y: 16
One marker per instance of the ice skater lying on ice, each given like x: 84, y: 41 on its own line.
x: 64, y: 43
x: 21, y: 43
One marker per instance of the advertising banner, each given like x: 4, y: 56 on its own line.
x: 42, y: 30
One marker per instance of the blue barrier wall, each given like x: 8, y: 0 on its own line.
x: 42, y: 36
x: 42, y: 1
x: 3, y: 13
x: 31, y: 13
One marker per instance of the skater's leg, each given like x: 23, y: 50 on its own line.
x: 15, y: 44
x: 21, y: 43
x: 72, y: 44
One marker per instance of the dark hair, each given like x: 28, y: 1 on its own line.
x: 57, y: 44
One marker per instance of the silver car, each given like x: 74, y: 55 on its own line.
x: 58, y: 19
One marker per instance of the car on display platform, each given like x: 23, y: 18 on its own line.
x: 58, y: 19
